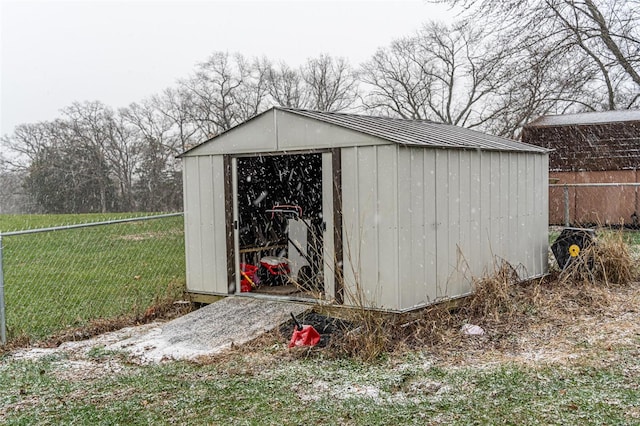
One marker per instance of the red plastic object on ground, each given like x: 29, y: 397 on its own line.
x: 248, y: 273
x: 303, y: 335
x: 275, y: 265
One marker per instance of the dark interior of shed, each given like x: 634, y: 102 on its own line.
x: 280, y: 223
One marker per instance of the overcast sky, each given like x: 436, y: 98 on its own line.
x: 56, y: 52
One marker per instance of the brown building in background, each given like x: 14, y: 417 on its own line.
x: 594, y: 147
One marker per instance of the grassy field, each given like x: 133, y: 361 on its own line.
x: 62, y: 279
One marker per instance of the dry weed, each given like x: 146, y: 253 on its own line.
x: 607, y: 261
x: 493, y: 295
x: 613, y: 261
x: 370, y: 337
x: 369, y: 333
x: 432, y: 327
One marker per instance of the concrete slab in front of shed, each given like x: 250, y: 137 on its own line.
x: 210, y: 329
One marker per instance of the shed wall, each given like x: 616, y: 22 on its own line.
x: 418, y: 223
x: 205, y: 224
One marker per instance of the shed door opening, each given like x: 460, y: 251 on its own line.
x: 279, y: 225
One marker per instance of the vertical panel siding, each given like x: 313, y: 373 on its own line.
x: 370, y: 225
x: 486, y: 191
x: 542, y: 249
x: 387, y: 222
x: 367, y: 196
x: 474, y: 250
x: 515, y: 241
x: 431, y: 225
x: 496, y: 237
x: 350, y: 223
x: 425, y: 222
x: 207, y: 220
x: 527, y: 210
x: 443, y: 269
x: 205, y: 243
x: 191, y: 190
x: 219, y: 235
x: 453, y: 256
x: 413, y: 222
x: 409, y: 265
x: 486, y: 207
x: 464, y: 253
x: 530, y: 224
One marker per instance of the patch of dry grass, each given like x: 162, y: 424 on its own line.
x: 370, y: 334
x: 504, y: 307
x: 606, y: 262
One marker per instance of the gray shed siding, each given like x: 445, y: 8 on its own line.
x: 281, y: 132
x: 204, y: 218
x: 418, y: 223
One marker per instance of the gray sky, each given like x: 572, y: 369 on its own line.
x: 56, y: 52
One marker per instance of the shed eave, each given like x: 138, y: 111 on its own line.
x: 190, y: 152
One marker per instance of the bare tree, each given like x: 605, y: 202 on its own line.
x: 178, y: 106
x: 251, y: 97
x: 226, y: 90
x: 330, y: 84
x: 605, y: 35
x: 285, y: 85
x: 27, y: 142
x: 397, y: 82
x: 95, y: 126
x: 157, y: 183
x: 535, y: 83
x: 445, y: 74
x: 13, y: 199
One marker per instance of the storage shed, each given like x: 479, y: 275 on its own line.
x: 587, y: 148
x: 396, y: 214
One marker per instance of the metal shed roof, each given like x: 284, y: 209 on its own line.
x: 586, y: 118
x: 418, y: 132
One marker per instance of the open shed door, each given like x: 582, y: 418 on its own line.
x: 283, y: 223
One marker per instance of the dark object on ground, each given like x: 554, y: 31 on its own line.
x: 570, y: 243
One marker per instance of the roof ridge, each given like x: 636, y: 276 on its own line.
x: 417, y: 132
x: 586, y: 118
x: 353, y: 114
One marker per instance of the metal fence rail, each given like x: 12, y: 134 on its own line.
x: 56, y: 278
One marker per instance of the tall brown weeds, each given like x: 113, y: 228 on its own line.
x: 493, y: 294
x: 607, y: 261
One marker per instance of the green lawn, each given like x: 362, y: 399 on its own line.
x: 61, y: 279
x: 17, y: 222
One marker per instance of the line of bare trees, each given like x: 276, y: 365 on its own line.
x: 502, y: 65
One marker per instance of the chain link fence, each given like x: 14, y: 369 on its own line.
x: 52, y: 279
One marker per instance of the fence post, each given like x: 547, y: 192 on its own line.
x: 3, y: 320
x: 566, y: 206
